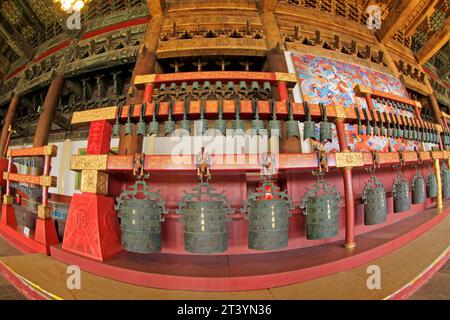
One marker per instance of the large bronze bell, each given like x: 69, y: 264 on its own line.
x: 205, y: 217
x: 141, y: 213
x: 402, y: 201
x: 268, y: 217
x: 320, y: 204
x: 418, y: 189
x: 374, y: 197
x: 431, y: 185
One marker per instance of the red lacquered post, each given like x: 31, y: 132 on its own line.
x: 348, y: 189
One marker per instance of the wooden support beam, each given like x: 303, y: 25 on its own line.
x: 435, y: 43
x: 427, y: 11
x: 4, y: 64
x: 156, y: 7
x: 268, y: 5
x: 14, y: 39
x: 396, y: 18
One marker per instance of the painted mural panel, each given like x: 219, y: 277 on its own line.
x: 331, y: 82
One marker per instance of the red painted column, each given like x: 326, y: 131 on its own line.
x: 48, y: 115
x: 348, y: 189
x: 45, y: 231
x: 283, y: 91
x: 369, y: 102
x: 148, y: 92
x: 8, y: 215
x: 8, y: 122
x: 92, y: 227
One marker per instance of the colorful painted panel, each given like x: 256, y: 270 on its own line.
x: 330, y: 81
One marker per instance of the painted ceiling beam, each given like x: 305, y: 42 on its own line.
x: 427, y: 11
x: 28, y: 11
x: 435, y: 43
x: 14, y: 39
x: 396, y: 19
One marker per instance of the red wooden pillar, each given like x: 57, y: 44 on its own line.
x: 8, y: 122
x: 283, y: 91
x: 92, y: 227
x: 148, y: 92
x: 8, y: 215
x: 348, y: 189
x: 45, y: 231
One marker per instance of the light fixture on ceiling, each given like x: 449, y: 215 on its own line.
x: 72, y: 5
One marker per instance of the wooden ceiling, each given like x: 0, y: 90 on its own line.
x: 25, y: 24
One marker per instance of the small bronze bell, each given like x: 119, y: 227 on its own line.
x: 418, y: 189
x: 369, y: 128
x: 153, y: 127
x: 376, y: 129
x: 202, y: 124
x: 116, y: 127
x: 238, y: 124
x: 129, y: 124
x: 169, y: 125
x: 359, y: 124
x: 326, y: 131
x: 309, y: 127
x: 220, y: 124
x: 274, y: 124
x: 257, y: 124
x: 374, y: 196
x: 141, y: 127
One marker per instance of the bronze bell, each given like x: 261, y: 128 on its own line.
x: 376, y: 129
x: 326, y: 130
x: 141, y: 213
x: 116, y: 127
x: 369, y: 128
x: 445, y: 177
x: 418, y: 189
x: 359, y: 124
x: 402, y: 201
x: 205, y: 220
x: 431, y: 185
x: 374, y: 197
x: 309, y: 127
x: 321, y: 207
x: 268, y: 217
x: 141, y: 127
x: 129, y: 124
